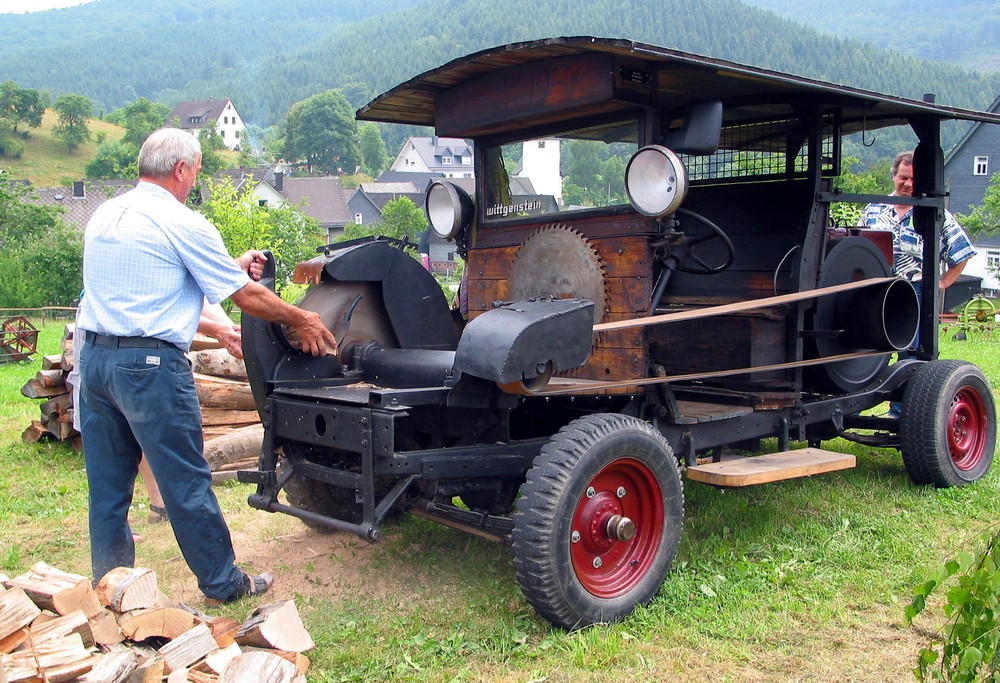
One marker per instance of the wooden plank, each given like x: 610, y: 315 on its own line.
x: 762, y: 469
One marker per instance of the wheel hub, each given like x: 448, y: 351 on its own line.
x: 966, y: 434
x: 617, y: 528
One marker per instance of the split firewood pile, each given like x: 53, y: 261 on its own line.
x: 230, y: 423
x: 55, y: 627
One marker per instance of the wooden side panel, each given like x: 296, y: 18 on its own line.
x: 627, y: 264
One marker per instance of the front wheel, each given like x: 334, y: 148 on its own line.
x: 598, y: 521
x: 948, y: 425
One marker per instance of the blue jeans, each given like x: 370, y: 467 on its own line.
x: 136, y: 400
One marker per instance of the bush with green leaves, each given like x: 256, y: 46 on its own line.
x: 967, y: 648
x: 40, y: 255
x: 285, y: 230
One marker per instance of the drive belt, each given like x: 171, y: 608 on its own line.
x: 565, y: 385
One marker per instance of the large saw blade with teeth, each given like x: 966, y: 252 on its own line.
x: 559, y: 262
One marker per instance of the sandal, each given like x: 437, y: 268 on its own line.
x: 157, y: 514
x: 249, y: 586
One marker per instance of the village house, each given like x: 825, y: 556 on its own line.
x: 968, y: 168
x: 194, y: 115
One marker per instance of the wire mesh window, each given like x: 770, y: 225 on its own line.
x: 763, y: 150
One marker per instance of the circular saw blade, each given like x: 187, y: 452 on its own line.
x: 353, y: 311
x: 559, y: 262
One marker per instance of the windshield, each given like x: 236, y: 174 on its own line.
x: 571, y: 171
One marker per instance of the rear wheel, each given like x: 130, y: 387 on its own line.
x: 948, y: 425
x: 598, y: 521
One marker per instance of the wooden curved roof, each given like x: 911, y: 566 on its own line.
x: 748, y: 93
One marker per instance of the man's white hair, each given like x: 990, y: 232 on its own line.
x: 164, y: 148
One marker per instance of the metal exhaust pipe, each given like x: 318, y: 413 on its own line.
x: 884, y: 318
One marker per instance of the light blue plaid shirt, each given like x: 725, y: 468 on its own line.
x: 907, y: 243
x: 148, y: 263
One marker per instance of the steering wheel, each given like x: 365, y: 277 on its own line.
x: 688, y: 245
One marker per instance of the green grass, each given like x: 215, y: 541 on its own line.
x: 798, y: 580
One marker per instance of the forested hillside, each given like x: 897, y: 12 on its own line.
x: 266, y: 57
x: 963, y: 32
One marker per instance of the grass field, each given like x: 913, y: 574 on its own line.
x: 803, y: 580
x: 46, y: 161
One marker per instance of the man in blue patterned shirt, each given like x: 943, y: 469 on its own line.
x: 907, y: 243
x: 149, y: 263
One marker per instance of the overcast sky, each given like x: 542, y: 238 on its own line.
x: 19, y: 6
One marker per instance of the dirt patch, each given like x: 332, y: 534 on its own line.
x: 306, y: 564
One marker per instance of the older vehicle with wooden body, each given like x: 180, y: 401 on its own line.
x: 608, y: 347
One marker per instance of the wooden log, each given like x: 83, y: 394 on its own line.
x: 217, y: 661
x: 243, y: 464
x: 203, y: 341
x: 114, y: 667
x: 51, y: 378
x: 35, y: 432
x: 149, y: 671
x: 74, y: 622
x: 297, y: 658
x: 188, y: 648
x: 239, y: 444
x: 260, y: 667
x: 161, y: 622
x: 223, y: 629
x: 211, y: 417
x: 53, y: 362
x: 14, y: 640
x: 56, y: 590
x: 276, y: 625
x: 57, y: 406
x: 178, y: 676
x: 56, y: 660
x: 125, y: 588
x: 216, y: 392
x: 16, y: 611
x: 218, y: 363
x: 105, y: 628
x: 35, y: 389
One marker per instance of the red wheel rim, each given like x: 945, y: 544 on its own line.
x: 967, y: 429
x: 608, y: 566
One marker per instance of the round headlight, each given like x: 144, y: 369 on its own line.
x: 656, y: 181
x: 449, y: 209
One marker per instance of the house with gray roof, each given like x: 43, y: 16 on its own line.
x: 80, y: 200
x: 451, y: 157
x: 194, y: 115
x: 323, y: 198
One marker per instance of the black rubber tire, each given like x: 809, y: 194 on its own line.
x: 552, y: 505
x: 947, y: 428
x: 314, y: 496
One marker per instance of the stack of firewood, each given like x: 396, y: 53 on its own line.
x: 230, y: 422
x: 55, y: 627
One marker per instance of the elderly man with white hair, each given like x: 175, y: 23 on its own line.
x: 149, y: 264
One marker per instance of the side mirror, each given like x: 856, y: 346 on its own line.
x: 701, y: 130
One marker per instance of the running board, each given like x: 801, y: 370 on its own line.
x: 761, y: 469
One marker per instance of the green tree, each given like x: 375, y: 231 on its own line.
x: 140, y: 119
x: 322, y: 131
x: 40, y: 255
x: 285, y: 230
x: 875, y: 179
x: 20, y: 105
x: 984, y: 217
x: 115, y: 159
x: 374, y: 157
x: 400, y: 218
x: 74, y: 113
